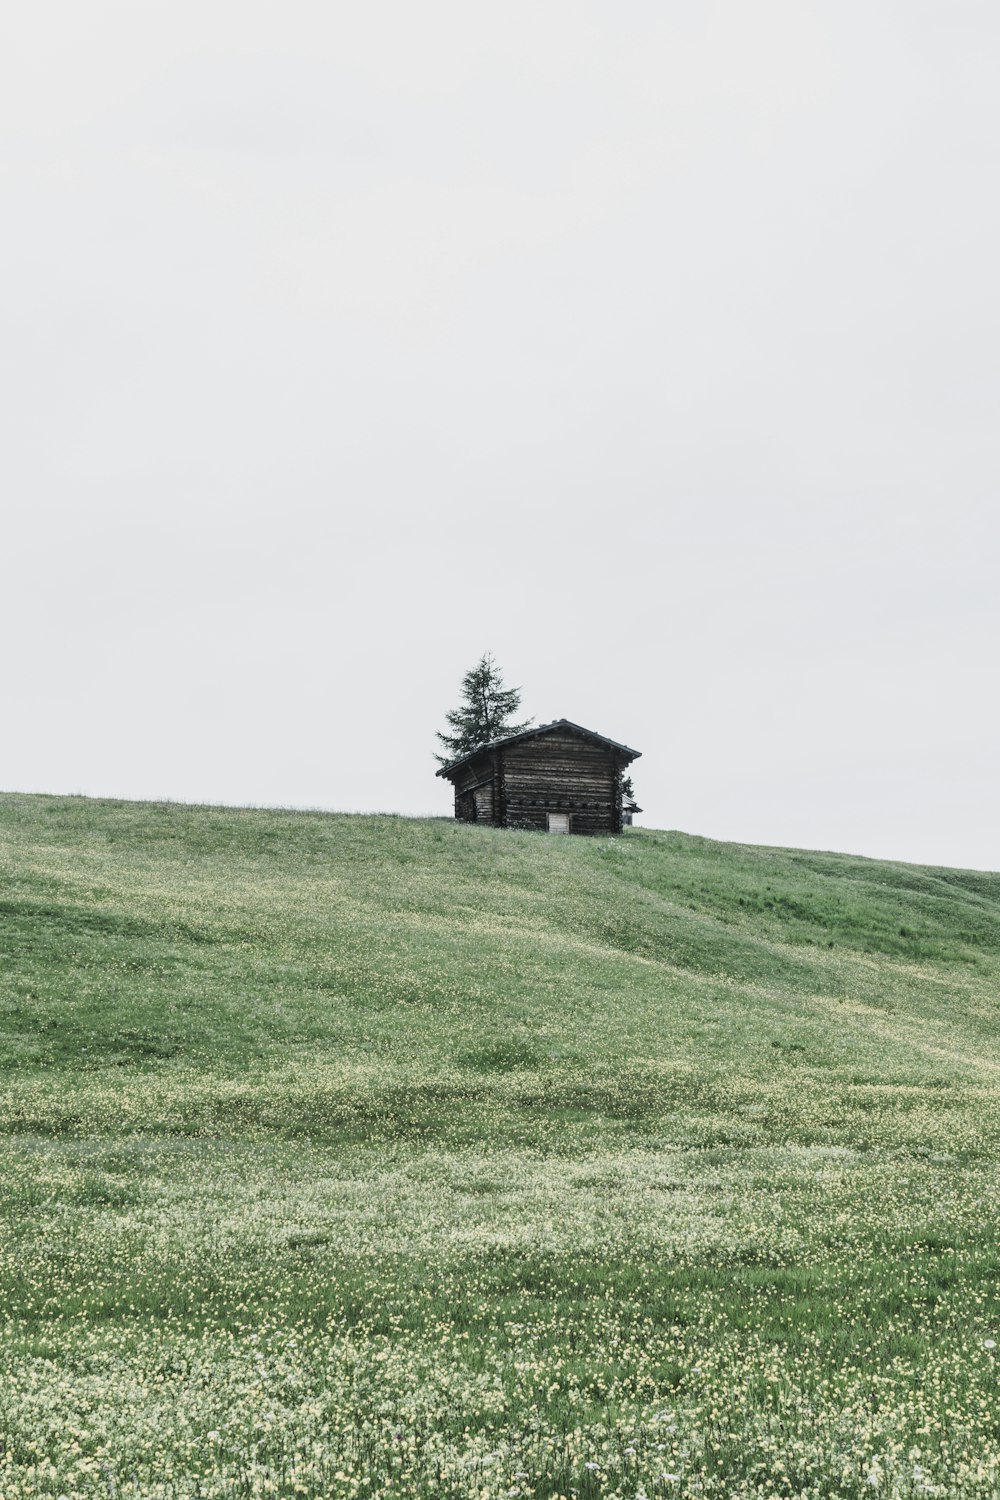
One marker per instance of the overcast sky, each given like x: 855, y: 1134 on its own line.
x: 653, y: 346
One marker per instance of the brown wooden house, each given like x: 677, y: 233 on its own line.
x: 558, y: 778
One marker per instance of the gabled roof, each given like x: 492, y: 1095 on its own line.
x: 529, y: 734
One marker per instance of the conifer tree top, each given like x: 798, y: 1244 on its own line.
x: 485, y: 713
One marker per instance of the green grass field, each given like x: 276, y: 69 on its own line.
x: 364, y: 1156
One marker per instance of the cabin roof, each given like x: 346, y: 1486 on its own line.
x: 528, y: 734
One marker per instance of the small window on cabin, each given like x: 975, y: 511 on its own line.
x: 559, y: 822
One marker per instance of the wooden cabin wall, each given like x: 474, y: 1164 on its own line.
x: 465, y: 807
x: 561, y: 773
x: 473, y: 785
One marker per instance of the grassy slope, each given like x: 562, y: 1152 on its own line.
x: 533, y: 1151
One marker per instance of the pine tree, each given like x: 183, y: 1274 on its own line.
x: 484, y: 714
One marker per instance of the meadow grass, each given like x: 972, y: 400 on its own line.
x: 366, y: 1156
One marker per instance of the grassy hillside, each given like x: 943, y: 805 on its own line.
x: 370, y: 1156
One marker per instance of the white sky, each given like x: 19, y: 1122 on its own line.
x: 653, y: 346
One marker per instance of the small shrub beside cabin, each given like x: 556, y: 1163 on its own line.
x: 556, y: 778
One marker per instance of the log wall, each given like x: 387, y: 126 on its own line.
x: 474, y: 791
x: 562, y: 773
